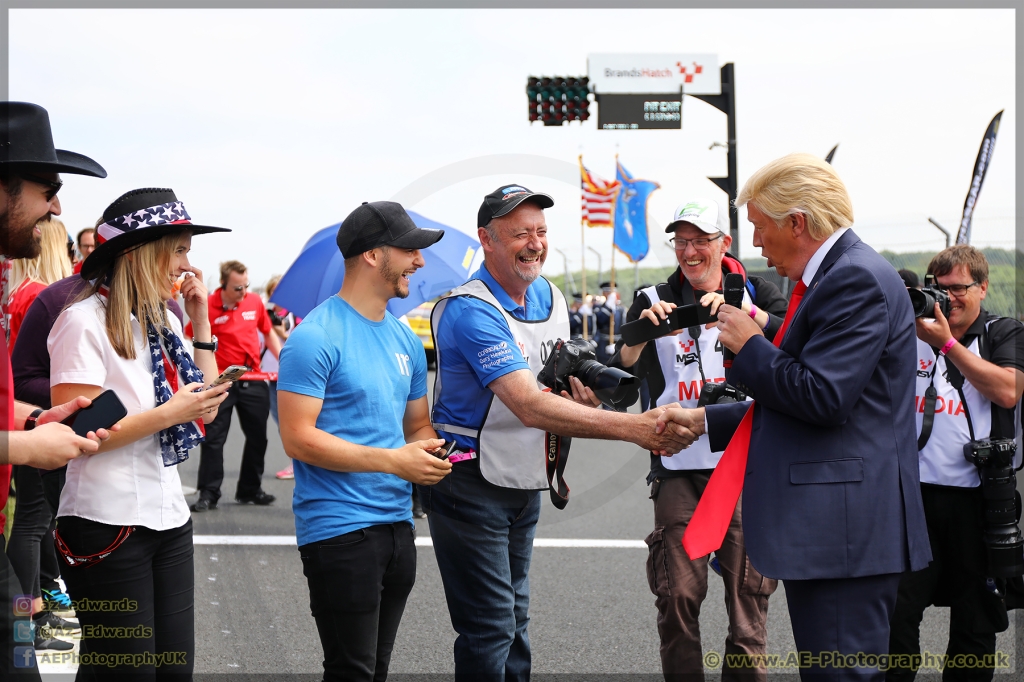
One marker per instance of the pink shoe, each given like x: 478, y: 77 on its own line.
x: 286, y: 474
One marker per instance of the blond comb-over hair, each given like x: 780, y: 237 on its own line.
x: 800, y: 183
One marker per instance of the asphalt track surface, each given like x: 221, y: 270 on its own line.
x: 592, y: 613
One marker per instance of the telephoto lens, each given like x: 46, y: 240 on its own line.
x: 1003, y: 540
x: 613, y: 387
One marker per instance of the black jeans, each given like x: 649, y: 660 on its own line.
x: 358, y: 585
x: 252, y: 398
x: 136, y: 606
x: 30, y: 548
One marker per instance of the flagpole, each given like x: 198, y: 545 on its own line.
x: 611, y: 322
x: 583, y: 255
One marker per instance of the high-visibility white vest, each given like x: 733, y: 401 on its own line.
x: 511, y: 455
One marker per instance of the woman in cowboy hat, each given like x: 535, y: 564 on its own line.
x: 123, y: 528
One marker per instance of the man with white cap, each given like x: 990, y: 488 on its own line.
x: 676, y: 367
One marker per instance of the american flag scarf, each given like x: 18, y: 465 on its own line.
x: 176, y: 441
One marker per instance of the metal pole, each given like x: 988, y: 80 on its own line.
x: 726, y: 103
x: 944, y: 230
x: 596, y: 253
x: 569, y: 285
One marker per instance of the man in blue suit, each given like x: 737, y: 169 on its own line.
x: 831, y: 496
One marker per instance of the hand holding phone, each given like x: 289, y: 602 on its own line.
x: 232, y: 373
x: 105, y: 411
x: 443, y: 451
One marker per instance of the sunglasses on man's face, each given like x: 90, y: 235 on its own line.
x: 54, y: 185
x: 240, y: 288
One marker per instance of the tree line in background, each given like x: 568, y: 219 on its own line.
x: 1005, y: 289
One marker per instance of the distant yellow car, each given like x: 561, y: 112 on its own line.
x: 418, y: 320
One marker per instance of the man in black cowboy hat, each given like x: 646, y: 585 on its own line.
x: 29, y: 182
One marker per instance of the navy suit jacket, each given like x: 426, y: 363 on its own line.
x: 832, y: 487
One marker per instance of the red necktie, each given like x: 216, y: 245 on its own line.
x: 706, y: 530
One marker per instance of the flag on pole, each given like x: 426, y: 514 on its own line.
x: 598, y: 198
x: 988, y: 143
x: 630, y: 235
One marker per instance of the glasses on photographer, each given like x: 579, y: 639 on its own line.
x: 240, y: 288
x: 955, y: 289
x: 54, y: 185
x: 700, y: 243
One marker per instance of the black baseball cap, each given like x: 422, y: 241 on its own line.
x: 382, y: 223
x: 502, y: 200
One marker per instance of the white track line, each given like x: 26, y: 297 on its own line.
x: 289, y: 540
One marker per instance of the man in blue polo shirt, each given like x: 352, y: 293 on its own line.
x: 352, y: 400
x: 492, y: 335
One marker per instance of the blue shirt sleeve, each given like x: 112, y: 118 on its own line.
x: 306, y: 361
x: 478, y: 332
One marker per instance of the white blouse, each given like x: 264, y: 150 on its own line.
x: 128, y: 486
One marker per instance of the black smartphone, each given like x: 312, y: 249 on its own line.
x: 105, y: 411
x: 443, y: 451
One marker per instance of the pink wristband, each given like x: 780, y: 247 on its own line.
x: 753, y: 311
x: 949, y: 344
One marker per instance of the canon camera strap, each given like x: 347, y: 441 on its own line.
x: 557, y: 456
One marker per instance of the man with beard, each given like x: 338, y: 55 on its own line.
x: 29, y: 183
x: 236, y: 317
x: 492, y: 336
x: 352, y: 398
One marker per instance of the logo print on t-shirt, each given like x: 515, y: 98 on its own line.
x: 403, y: 364
x: 249, y: 315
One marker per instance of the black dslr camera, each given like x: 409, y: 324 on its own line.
x: 1002, y: 535
x: 275, y: 319
x: 576, y: 358
x: 719, y: 394
x: 923, y: 301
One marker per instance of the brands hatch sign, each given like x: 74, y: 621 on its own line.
x: 696, y: 74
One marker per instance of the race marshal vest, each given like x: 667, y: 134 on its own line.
x: 511, y: 455
x: 677, y: 356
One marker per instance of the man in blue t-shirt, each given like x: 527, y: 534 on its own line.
x: 352, y: 401
x: 491, y: 336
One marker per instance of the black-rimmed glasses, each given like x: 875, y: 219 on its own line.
x: 955, y: 289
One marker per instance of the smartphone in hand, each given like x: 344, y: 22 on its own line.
x: 232, y: 373
x: 443, y: 451
x: 105, y: 411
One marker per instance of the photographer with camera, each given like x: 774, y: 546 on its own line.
x: 970, y: 377
x: 492, y: 336
x: 688, y: 366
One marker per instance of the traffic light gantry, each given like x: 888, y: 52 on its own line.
x: 558, y: 99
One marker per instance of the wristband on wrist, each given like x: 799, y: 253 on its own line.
x: 753, y: 311
x: 30, y: 423
x: 949, y: 345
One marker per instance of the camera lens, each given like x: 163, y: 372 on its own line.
x: 609, y: 384
x: 922, y: 302
x: 1005, y: 551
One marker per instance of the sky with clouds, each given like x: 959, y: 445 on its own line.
x: 277, y: 123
